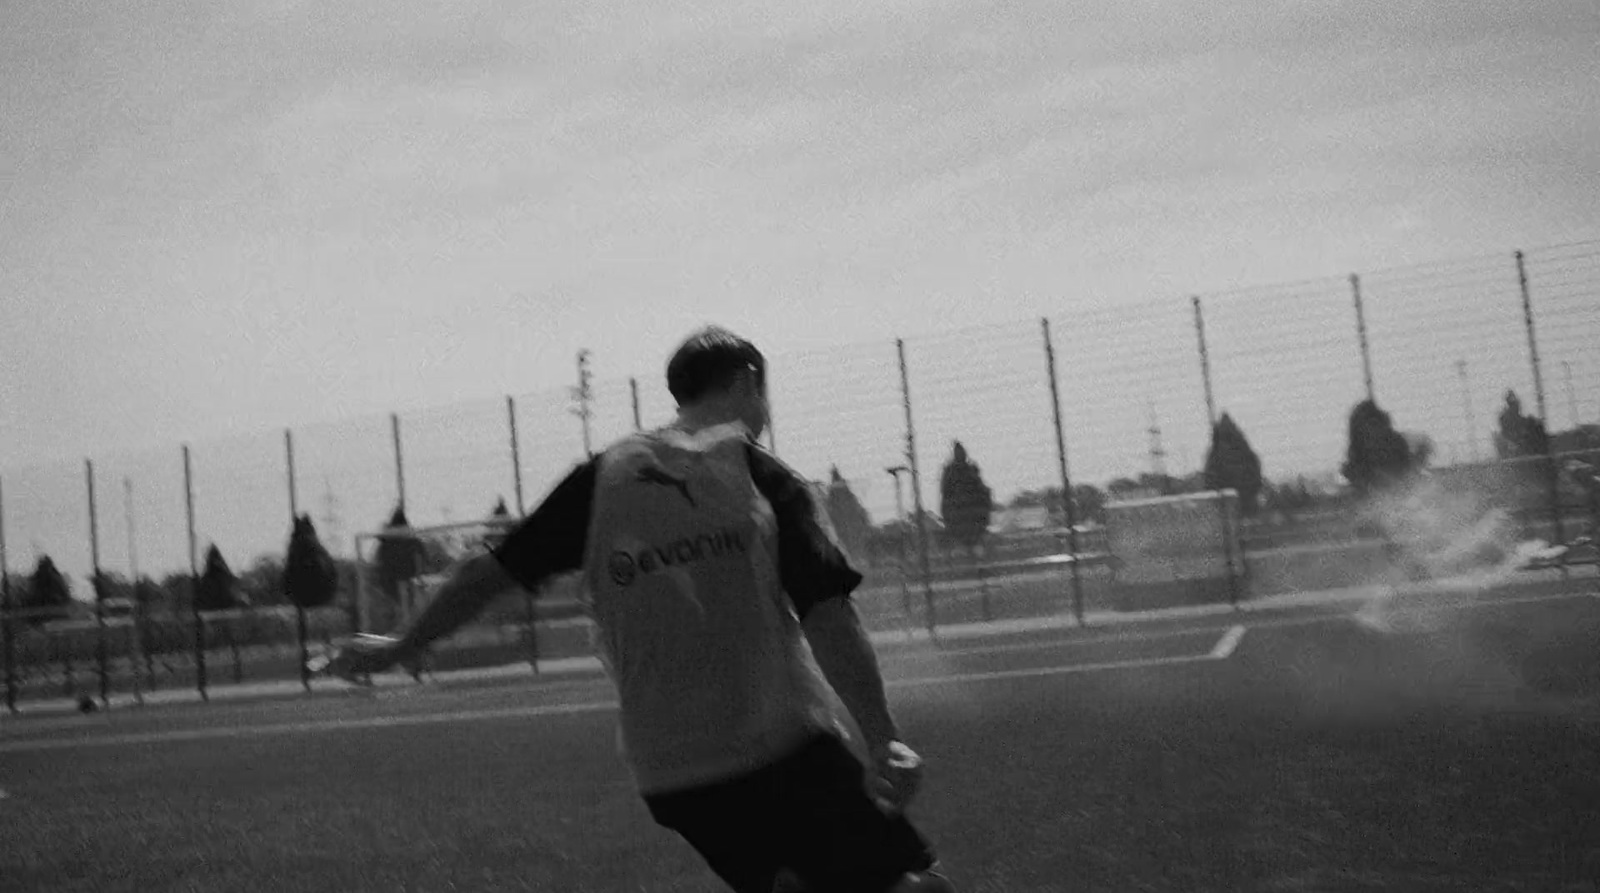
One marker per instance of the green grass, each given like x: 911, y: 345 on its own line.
x: 1321, y: 758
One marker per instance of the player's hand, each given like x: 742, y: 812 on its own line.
x: 898, y: 776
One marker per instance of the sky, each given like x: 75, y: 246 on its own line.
x: 219, y: 219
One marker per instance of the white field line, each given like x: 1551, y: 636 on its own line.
x: 294, y: 728
x: 460, y: 716
x: 1046, y: 644
x: 1060, y: 670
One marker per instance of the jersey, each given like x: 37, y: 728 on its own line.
x: 699, y: 553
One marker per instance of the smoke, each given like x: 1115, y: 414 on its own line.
x: 1432, y: 629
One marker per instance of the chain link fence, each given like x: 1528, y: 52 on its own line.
x: 1487, y: 368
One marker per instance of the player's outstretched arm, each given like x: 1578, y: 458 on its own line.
x: 469, y: 588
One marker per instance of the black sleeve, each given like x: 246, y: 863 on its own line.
x: 550, y: 541
x: 811, y: 565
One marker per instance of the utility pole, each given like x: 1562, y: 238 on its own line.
x: 1158, y: 452
x: 584, y: 394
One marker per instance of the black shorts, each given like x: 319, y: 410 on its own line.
x: 809, y: 813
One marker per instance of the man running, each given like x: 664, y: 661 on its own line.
x: 722, y: 613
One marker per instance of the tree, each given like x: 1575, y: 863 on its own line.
x: 967, y: 504
x: 262, y: 582
x: 110, y: 586
x: 965, y: 501
x: 1421, y: 446
x: 48, y: 595
x: 178, y: 591
x: 310, y: 576
x: 1231, y: 464
x: 400, y: 555
x: 149, y: 594
x: 1520, y: 434
x: 1288, y: 497
x: 850, y: 520
x: 1377, y: 456
x: 218, y: 589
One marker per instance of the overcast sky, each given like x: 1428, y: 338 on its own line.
x: 230, y: 216
x: 226, y: 217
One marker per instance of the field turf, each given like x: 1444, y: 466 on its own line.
x: 1460, y: 750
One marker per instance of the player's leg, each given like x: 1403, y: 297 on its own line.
x: 836, y: 838
x: 725, y: 825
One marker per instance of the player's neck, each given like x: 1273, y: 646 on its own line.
x: 707, y: 415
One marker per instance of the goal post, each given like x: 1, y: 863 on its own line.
x: 1172, y: 550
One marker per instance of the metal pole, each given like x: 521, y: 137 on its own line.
x: 1551, y: 472
x: 900, y: 519
x: 399, y: 461
x: 516, y: 477
x: 1205, y: 362
x: 288, y: 461
x: 137, y: 608
x: 1361, y: 335
x: 1466, y: 408
x: 7, y: 622
x: 1066, y: 479
x: 194, y: 581
x: 638, y: 420
x: 1572, y: 397
x: 1211, y: 416
x: 516, y: 453
x: 102, y: 652
x: 916, y: 487
x: 294, y: 516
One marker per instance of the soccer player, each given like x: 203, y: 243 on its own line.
x: 722, y: 613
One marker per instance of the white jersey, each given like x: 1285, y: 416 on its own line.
x: 712, y: 669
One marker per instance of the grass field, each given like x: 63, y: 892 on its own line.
x: 1461, y: 751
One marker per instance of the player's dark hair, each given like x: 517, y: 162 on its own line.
x: 709, y: 361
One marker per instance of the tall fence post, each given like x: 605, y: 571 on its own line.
x: 1552, y: 474
x: 194, y: 581
x: 1211, y: 425
x: 141, y: 659
x: 7, y: 620
x: 399, y: 462
x: 633, y: 389
x: 516, y: 479
x: 916, y: 488
x: 1361, y: 336
x: 294, y: 517
x: 1066, y: 480
x: 102, y: 652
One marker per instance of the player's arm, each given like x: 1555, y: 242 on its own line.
x: 547, y: 543
x: 470, y: 587
x: 845, y: 654
x: 819, y: 579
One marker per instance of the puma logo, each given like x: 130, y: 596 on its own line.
x: 654, y: 474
